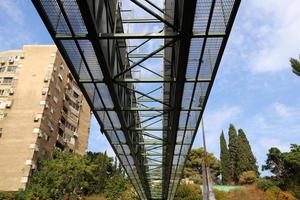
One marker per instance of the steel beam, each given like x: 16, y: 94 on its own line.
x: 161, y: 35
x: 147, y: 80
x: 186, y: 26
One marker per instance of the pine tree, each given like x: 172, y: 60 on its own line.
x: 233, y: 152
x: 225, y: 162
x: 246, y: 159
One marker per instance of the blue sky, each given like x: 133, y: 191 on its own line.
x: 254, y: 88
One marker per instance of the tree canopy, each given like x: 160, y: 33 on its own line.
x: 195, y: 160
x: 225, y: 161
x: 286, y: 167
x: 295, y: 65
x: 246, y: 159
x: 70, y: 175
x: 233, y: 152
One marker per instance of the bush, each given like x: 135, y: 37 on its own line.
x: 275, y: 193
x: 246, y: 193
x: 116, y: 186
x: 248, y: 177
x: 7, y: 195
x: 188, y: 192
x: 220, y: 195
x: 264, y: 184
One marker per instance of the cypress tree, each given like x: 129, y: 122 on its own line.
x: 246, y: 159
x: 225, y: 162
x: 233, y: 152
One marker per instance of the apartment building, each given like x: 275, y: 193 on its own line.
x: 41, y: 109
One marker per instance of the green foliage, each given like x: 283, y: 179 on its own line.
x: 275, y: 193
x: 247, y: 177
x: 246, y: 160
x: 67, y: 175
x: 246, y: 193
x: 194, y: 161
x: 233, y: 152
x: 188, y: 192
x: 225, y: 160
x: 7, y: 195
x: 70, y: 175
x: 116, y: 186
x: 295, y: 65
x: 286, y: 167
x: 264, y: 184
x: 130, y: 193
x: 220, y: 195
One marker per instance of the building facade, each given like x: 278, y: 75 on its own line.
x: 41, y: 109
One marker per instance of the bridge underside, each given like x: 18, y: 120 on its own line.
x: 146, y: 70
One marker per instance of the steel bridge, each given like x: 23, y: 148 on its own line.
x: 146, y: 68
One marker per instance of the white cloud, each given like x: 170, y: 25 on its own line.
x: 218, y: 118
x: 214, y: 123
x: 272, y: 30
x: 267, y: 142
x: 283, y: 110
x: 15, y: 29
x: 13, y: 12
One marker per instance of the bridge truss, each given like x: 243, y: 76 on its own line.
x: 146, y: 69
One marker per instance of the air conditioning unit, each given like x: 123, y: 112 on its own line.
x: 28, y: 162
x: 72, y: 140
x: 11, y: 59
x: 33, y: 166
x: 40, y: 134
x: 46, y: 137
x: 34, y: 146
x: 46, y: 79
x: 16, y: 58
x: 60, y: 77
x: 11, y: 91
x: 36, y: 119
x: 75, y: 134
x: 9, y: 104
x: 24, y: 179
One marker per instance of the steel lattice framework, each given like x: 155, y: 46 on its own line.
x: 147, y: 76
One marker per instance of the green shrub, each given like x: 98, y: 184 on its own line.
x: 7, y: 195
x: 275, y: 193
x: 248, y: 177
x: 220, y: 195
x: 246, y: 193
x: 188, y: 192
x: 264, y: 184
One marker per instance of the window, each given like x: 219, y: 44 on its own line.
x: 11, y: 69
x: 1, y: 131
x: 75, y: 95
x: 2, y: 115
x: 74, y: 105
x: 70, y: 126
x: 2, y: 104
x: 7, y: 80
x: 2, y: 69
x: 2, y: 92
